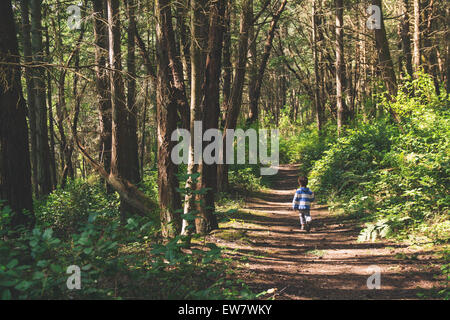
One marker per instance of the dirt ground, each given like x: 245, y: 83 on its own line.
x: 269, y: 251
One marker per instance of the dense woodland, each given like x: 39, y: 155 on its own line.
x: 91, y: 92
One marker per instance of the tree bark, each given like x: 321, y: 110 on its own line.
x: 416, y: 39
x: 340, y: 67
x: 102, y: 84
x: 317, y: 37
x: 15, y: 170
x: 234, y: 102
x: 42, y: 147
x: 197, y: 55
x: 211, y: 110
x: 121, y: 162
x: 50, y: 114
x: 132, y: 107
x: 384, y: 55
x: 430, y: 49
x: 405, y: 38
x: 28, y: 59
x: 264, y: 59
x: 227, y: 66
x: 166, y: 113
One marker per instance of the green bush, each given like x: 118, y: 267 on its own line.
x: 68, y: 209
x: 245, y: 178
x: 116, y: 261
x: 397, y: 174
x: 303, y: 145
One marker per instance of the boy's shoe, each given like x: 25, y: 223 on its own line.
x: 302, y: 227
x: 308, y: 227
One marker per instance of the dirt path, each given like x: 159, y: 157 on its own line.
x: 269, y: 251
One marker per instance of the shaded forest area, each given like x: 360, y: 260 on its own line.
x: 92, y: 91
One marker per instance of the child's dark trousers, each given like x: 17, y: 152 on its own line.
x: 303, y: 213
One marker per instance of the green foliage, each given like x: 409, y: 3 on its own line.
x: 443, y: 292
x: 149, y: 184
x: 246, y: 178
x: 397, y: 177
x: 304, y: 145
x: 445, y: 269
x: 116, y: 261
x: 351, y: 161
x: 66, y: 210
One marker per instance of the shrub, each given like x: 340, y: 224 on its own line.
x: 398, y: 175
x: 68, y: 209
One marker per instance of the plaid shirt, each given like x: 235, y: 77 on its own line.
x: 302, y: 199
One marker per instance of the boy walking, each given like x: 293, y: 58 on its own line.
x: 302, y: 202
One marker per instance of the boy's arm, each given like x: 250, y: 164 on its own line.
x: 294, y: 200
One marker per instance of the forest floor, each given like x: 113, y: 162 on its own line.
x: 268, y: 250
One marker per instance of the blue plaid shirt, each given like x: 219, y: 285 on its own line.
x: 302, y: 199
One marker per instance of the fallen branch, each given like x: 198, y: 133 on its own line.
x: 127, y: 190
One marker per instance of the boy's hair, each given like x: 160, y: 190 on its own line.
x: 303, y: 181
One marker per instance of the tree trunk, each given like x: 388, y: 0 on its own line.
x: 340, y: 68
x: 317, y: 37
x: 50, y: 114
x: 131, y: 96
x: 252, y: 62
x: 120, y: 157
x: 405, y: 38
x: 42, y: 147
x: 102, y: 84
x: 211, y: 111
x: 447, y: 49
x: 197, y: 55
x: 264, y: 59
x: 166, y: 113
x: 28, y: 58
x: 184, y: 40
x: 15, y: 170
x: 430, y: 49
x: 384, y: 55
x: 227, y: 67
x: 417, y: 48
x: 234, y: 103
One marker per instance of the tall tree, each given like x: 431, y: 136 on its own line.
x: 226, y: 63
x: 406, y: 37
x: 211, y: 109
x: 264, y: 60
x: 233, y: 106
x: 42, y: 147
x: 121, y: 163
x: 317, y: 38
x: 166, y: 113
x: 384, y: 54
x: 340, y: 67
x: 102, y: 83
x: 417, y: 36
x: 28, y: 59
x: 15, y: 170
x: 132, y: 106
x: 429, y: 46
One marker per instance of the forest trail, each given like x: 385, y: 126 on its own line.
x: 269, y: 250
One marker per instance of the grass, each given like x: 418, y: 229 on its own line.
x: 317, y: 253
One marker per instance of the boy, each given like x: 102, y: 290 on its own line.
x: 302, y: 202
